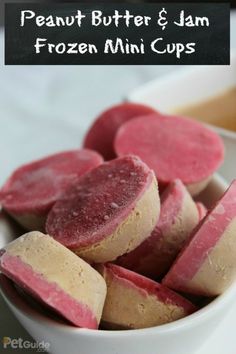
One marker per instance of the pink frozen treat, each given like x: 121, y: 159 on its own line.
x: 134, y: 301
x: 207, y: 264
x: 109, y: 212
x: 32, y: 189
x: 101, y: 135
x: 202, y: 210
x: 174, y: 147
x: 55, y: 276
x: 178, y: 217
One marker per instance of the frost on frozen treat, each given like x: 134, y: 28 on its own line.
x: 109, y: 212
x: 174, y: 147
x: 56, y: 276
x: 32, y: 189
x: 101, y: 134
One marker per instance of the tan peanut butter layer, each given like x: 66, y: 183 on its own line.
x: 179, y: 215
x: 196, y: 188
x: 31, y: 221
x: 59, y: 265
x: 141, y: 310
x: 131, y: 232
x: 219, y: 268
x: 173, y: 238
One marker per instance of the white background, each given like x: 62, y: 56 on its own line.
x: 46, y: 109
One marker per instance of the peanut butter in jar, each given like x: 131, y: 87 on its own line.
x: 219, y: 110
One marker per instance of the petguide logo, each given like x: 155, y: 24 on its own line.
x: 20, y: 343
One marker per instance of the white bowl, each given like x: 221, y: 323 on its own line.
x: 184, y: 336
x: 188, y: 86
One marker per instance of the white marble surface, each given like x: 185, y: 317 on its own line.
x: 45, y: 109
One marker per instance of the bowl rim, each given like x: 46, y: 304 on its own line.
x: 19, y: 305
